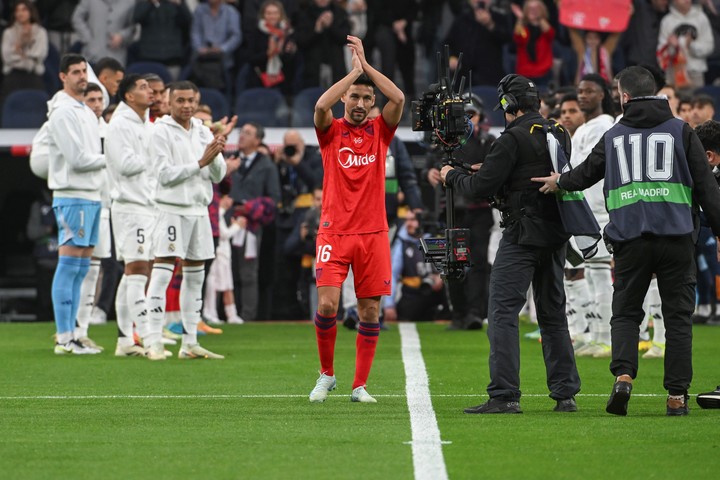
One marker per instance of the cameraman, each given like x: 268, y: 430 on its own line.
x: 469, y: 299
x: 531, y: 251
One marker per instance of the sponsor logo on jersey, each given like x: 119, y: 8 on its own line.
x: 348, y: 158
x: 357, y: 140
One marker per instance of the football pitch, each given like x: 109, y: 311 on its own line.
x: 248, y: 416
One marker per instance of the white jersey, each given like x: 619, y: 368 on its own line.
x: 76, y: 166
x: 586, y: 137
x: 183, y: 187
x: 226, y: 233
x: 127, y: 148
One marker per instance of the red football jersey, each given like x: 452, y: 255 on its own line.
x: 354, y: 176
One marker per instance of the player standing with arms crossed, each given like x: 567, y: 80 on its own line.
x: 353, y: 226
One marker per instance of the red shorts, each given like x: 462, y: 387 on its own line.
x: 367, y: 253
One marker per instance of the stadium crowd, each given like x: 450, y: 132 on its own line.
x: 265, y: 213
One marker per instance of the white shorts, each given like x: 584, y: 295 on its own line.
x: 221, y: 274
x: 186, y: 237
x: 103, y: 249
x: 133, y: 234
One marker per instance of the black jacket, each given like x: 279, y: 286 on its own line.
x: 648, y: 113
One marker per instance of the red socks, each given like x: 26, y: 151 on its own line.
x: 326, y: 331
x: 365, y: 345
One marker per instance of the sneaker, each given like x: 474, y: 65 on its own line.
x: 644, y: 345
x: 603, y: 350
x: 351, y: 319
x: 167, y: 353
x: 709, y: 399
x: 473, y: 322
x: 236, y: 320
x: 677, y: 407
x: 176, y: 328
x: 98, y: 317
x: 205, y: 328
x: 534, y: 335
x: 168, y: 341
x: 620, y: 395
x: 566, y: 405
x: 89, y: 342
x: 496, y: 405
x: 155, y: 352
x: 656, y: 351
x: 324, y: 384
x: 166, y: 333
x: 211, y: 320
x: 129, y: 351
x: 190, y: 352
x: 361, y: 395
x: 73, y: 347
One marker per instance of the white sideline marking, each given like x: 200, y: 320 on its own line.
x: 428, y: 460
x: 241, y: 396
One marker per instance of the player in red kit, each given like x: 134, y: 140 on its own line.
x: 353, y: 225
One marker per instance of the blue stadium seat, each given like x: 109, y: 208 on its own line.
x: 150, y: 67
x: 216, y: 101
x: 304, y: 107
x: 25, y: 109
x: 489, y: 97
x: 262, y: 105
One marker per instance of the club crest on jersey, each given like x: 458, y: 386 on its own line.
x: 357, y: 140
x: 348, y: 158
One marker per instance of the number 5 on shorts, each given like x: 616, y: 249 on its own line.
x: 323, y: 253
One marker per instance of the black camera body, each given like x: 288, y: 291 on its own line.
x: 441, y: 111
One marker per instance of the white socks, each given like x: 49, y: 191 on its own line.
x: 160, y: 278
x: 654, y: 304
x: 578, y: 305
x: 124, y: 321
x: 191, y: 302
x: 87, y: 299
x: 600, y: 282
x: 137, y: 305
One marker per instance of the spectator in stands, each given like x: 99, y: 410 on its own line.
x: 571, y: 117
x: 251, y: 12
x: 322, y: 30
x: 214, y: 37
x: 257, y: 177
x: 417, y: 290
x: 480, y: 33
x: 390, y: 32
x: 164, y: 32
x: 272, y: 49
x: 24, y: 49
x: 57, y: 18
x: 672, y: 97
x: 594, y: 51
x: 684, y: 43
x: 42, y: 230
x: 639, y: 40
x: 105, y: 28
x: 703, y: 109
x: 533, y: 36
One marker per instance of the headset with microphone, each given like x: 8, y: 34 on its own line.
x: 512, y: 87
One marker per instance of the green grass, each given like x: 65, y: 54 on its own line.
x: 219, y: 430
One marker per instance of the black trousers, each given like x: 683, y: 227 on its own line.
x: 516, y: 267
x: 672, y: 260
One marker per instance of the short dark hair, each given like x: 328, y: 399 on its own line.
x: 92, y: 87
x: 637, y: 82
x: 709, y: 135
x: 259, y: 130
x: 528, y: 103
x: 658, y: 75
x: 69, y: 60
x: 152, y: 77
x: 364, y: 80
x: 108, y: 63
x: 570, y: 97
x: 702, y: 99
x: 128, y: 84
x: 183, y: 85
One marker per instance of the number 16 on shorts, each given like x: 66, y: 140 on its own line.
x: 323, y: 253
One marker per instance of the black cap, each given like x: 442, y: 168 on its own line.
x: 517, y: 86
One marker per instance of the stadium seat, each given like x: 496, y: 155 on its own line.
x: 150, y: 67
x: 489, y: 97
x: 304, y: 107
x: 25, y: 109
x: 52, y: 67
x: 262, y: 105
x: 216, y: 101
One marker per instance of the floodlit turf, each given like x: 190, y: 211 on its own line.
x: 248, y: 416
